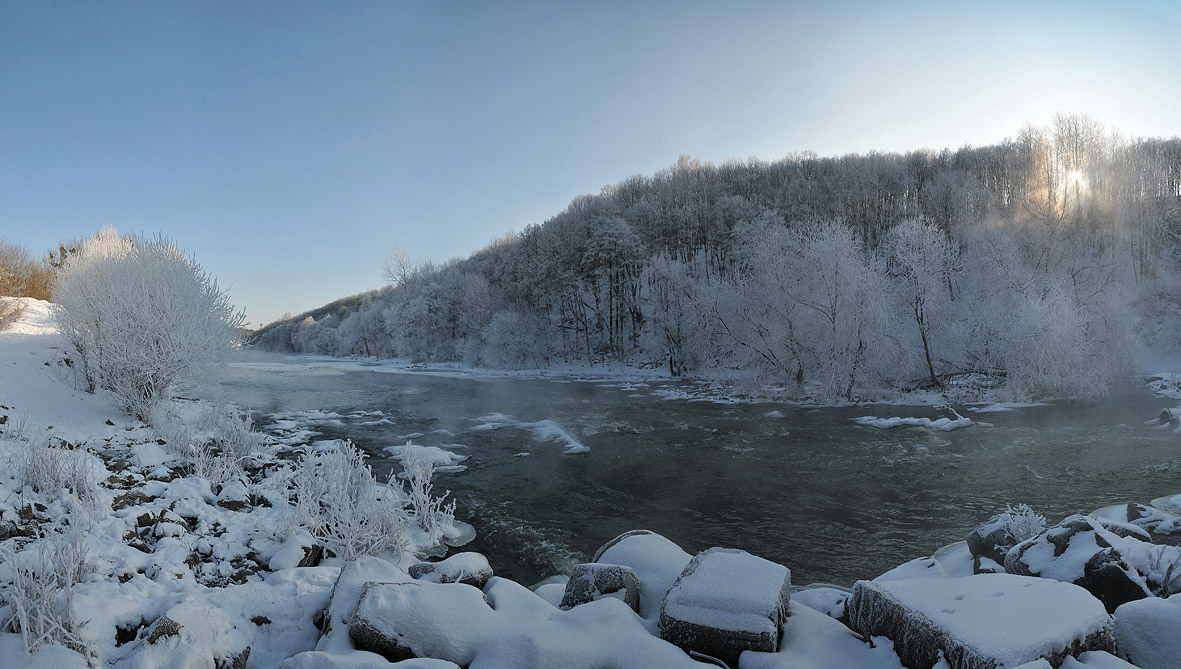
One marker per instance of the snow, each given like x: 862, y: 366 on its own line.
x: 774, y: 414
x: 543, y: 430
x: 1013, y: 619
x: 509, y: 626
x: 1148, y: 632
x: 442, y: 460
x: 945, y: 424
x: 812, y: 640
x: 917, y: 568
x: 292, y: 551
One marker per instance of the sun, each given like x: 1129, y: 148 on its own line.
x: 1075, y: 177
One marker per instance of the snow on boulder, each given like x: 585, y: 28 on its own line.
x: 467, y: 568
x: 945, y: 424
x: 657, y: 561
x: 234, y: 496
x: 984, y: 621
x: 1148, y: 632
x: 924, y: 567
x: 592, y: 581
x: 149, y: 455
x: 504, y: 626
x: 1163, y: 527
x: 826, y: 598
x: 812, y: 640
x: 193, y: 634
x: 1114, y: 561
x: 298, y: 550
x: 991, y: 541
x: 345, y: 594
x: 725, y: 602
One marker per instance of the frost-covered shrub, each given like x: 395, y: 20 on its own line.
x: 339, y: 502
x: 1023, y: 522
x: 430, y: 512
x: 39, y: 598
x: 51, y: 471
x: 216, y: 442
x: 142, y: 316
x: 10, y: 310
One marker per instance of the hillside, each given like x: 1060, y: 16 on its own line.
x: 849, y: 277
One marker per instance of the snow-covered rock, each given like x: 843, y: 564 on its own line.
x: 298, y: 550
x: 980, y: 622
x: 924, y: 567
x: 657, y: 561
x: 1114, y: 561
x: 191, y: 634
x: 991, y: 541
x: 1148, y: 632
x: 506, y: 625
x: 725, y: 602
x: 347, y: 592
x: 149, y: 455
x: 467, y: 568
x: 1162, y: 526
x: 592, y: 581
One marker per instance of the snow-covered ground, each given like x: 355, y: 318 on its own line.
x: 166, y: 569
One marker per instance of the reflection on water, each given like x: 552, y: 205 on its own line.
x: 832, y: 500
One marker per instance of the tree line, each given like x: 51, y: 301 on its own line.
x: 1041, y: 264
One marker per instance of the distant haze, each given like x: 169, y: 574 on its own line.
x: 288, y: 145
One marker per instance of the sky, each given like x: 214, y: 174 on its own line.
x: 289, y: 145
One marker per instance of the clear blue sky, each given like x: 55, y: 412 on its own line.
x: 289, y: 144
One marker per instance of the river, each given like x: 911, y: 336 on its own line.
x: 833, y: 500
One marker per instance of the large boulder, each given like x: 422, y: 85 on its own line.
x: 1113, y: 560
x: 725, y: 602
x: 980, y: 622
x: 345, y: 594
x: 657, y: 561
x: 506, y: 625
x: 467, y: 568
x: 589, y: 582
x: 1148, y: 632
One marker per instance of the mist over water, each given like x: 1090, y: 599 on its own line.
x: 832, y: 500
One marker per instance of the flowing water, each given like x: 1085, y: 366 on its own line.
x: 833, y: 500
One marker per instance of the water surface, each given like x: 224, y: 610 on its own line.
x: 832, y: 500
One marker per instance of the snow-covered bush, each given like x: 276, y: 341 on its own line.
x: 142, y: 316
x: 10, y: 310
x: 1023, y: 522
x: 430, y: 512
x: 216, y: 442
x: 337, y: 499
x: 51, y: 471
x: 39, y: 599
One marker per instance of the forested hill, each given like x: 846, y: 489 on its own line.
x: 1042, y: 264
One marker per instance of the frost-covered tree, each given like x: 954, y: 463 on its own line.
x: 921, y: 261
x: 142, y: 316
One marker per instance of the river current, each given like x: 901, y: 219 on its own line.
x: 809, y: 488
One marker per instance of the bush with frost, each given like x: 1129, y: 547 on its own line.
x: 142, y: 316
x: 54, y: 470
x: 39, y: 596
x: 1023, y: 522
x: 432, y: 513
x: 340, y: 503
x: 216, y: 443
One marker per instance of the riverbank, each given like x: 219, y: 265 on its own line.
x: 165, y: 568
